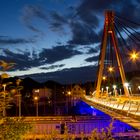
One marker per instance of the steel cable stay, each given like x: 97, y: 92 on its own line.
x: 127, y: 20
x: 128, y: 26
x: 129, y: 34
x: 131, y: 43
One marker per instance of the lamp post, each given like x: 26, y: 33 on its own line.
x: 102, y: 90
x: 120, y: 91
x: 126, y: 85
x: 18, y: 89
x: 36, y: 102
x: 4, y: 97
x: 107, y: 90
x: 19, y: 109
x: 69, y: 99
x: 114, y: 89
x: 4, y: 107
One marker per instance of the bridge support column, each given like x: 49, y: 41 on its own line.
x: 109, y: 29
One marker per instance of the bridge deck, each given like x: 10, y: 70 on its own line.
x: 127, y: 111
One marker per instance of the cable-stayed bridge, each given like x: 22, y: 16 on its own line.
x: 119, y: 54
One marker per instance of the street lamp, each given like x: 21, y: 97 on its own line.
x: 4, y: 96
x: 127, y: 85
x: 102, y: 89
x: 68, y: 100
x: 104, y: 78
x: 120, y: 91
x: 69, y: 93
x: 36, y: 102
x: 114, y: 88
x: 4, y: 107
x: 107, y: 89
x: 110, y: 69
x: 18, y: 89
x: 134, y: 56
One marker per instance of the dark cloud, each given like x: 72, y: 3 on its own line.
x: 133, y: 7
x: 86, y: 19
x: 56, y: 16
x: 53, y: 67
x: 97, y: 8
x: 23, y: 61
x: 34, y: 29
x: 82, y: 34
x: 89, y: 18
x: 80, y: 24
x: 92, y: 59
x: 29, y: 13
x: 58, y: 22
x: 93, y: 50
x: 83, y: 20
x: 58, y: 53
x: 8, y: 41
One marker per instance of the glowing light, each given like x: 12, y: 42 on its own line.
x: 110, y: 32
x: 102, y: 89
x: 69, y: 93
x: 126, y: 84
x: 110, y: 69
x: 36, y: 98
x: 134, y: 56
x: 107, y: 88
x: 114, y: 86
x: 139, y: 87
x: 104, y: 77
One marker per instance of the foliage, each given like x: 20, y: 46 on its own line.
x: 105, y: 134
x: 10, y: 128
x: 13, y: 128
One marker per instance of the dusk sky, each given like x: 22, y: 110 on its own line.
x: 58, y: 37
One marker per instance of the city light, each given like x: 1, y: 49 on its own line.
x: 102, y: 90
x: 107, y: 89
x: 36, y: 98
x: 126, y: 84
x: 104, y: 78
x: 114, y: 86
x: 4, y: 86
x: 69, y: 93
x: 110, y: 69
x: 134, y: 56
x: 139, y: 87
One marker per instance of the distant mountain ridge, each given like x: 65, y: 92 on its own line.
x: 67, y: 76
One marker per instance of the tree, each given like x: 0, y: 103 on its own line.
x: 11, y: 128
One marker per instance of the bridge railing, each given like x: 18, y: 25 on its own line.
x: 131, y: 106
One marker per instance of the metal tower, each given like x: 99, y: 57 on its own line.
x: 109, y: 29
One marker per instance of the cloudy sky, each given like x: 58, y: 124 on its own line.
x: 56, y: 36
